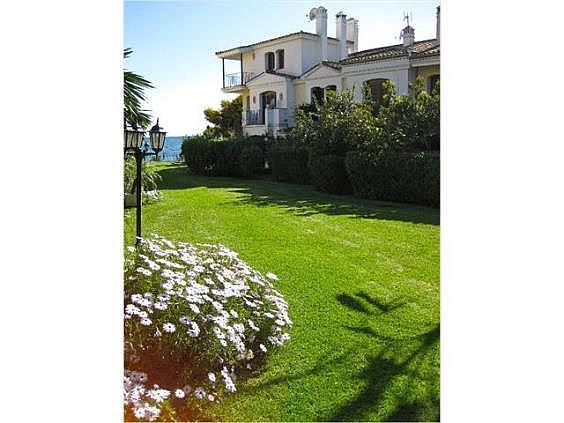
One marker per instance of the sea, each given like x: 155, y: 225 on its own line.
x: 171, y: 150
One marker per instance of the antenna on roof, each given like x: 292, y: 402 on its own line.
x: 407, y: 17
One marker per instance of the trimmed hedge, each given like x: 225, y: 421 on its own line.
x: 289, y: 162
x: 330, y: 174
x: 399, y: 177
x: 239, y: 156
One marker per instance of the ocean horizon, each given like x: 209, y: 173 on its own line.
x: 172, y: 148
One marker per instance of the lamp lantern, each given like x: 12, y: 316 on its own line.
x: 157, y: 137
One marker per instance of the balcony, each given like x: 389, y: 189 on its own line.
x: 235, y: 82
x: 254, y: 117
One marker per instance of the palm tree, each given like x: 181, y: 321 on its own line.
x: 133, y: 95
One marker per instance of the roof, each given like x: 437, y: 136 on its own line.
x: 275, y: 39
x: 328, y: 63
x: 423, y: 48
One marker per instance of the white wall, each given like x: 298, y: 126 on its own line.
x: 397, y: 71
x: 292, y: 58
x: 311, y: 52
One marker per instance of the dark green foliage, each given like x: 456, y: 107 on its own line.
x: 410, y: 123
x: 251, y: 160
x: 242, y: 156
x: 227, y: 120
x: 395, y: 176
x: 329, y: 174
x: 289, y: 162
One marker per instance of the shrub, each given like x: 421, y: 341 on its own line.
x: 251, y: 160
x: 338, y: 125
x: 329, y: 174
x: 201, y: 155
x: 410, y: 123
x: 395, y: 176
x: 289, y: 162
x: 242, y: 156
x: 194, y: 316
x: 149, y: 179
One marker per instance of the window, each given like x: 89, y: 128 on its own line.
x: 375, y: 89
x: 279, y: 59
x: 432, y: 81
x: 317, y: 93
x: 269, y: 61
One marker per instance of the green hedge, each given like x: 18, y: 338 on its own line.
x: 329, y: 174
x: 289, y: 162
x: 399, y: 177
x: 239, y: 156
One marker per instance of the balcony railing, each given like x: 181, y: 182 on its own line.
x: 234, y: 79
x: 254, y: 117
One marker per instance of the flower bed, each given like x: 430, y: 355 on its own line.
x: 195, y: 316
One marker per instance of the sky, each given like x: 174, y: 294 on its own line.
x: 174, y: 43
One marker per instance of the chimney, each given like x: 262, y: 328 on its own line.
x: 320, y: 16
x: 352, y: 33
x: 408, y: 35
x: 439, y: 24
x: 341, y: 32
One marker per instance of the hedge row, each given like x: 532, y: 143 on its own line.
x: 239, y: 157
x: 400, y: 177
x: 387, y: 176
x: 289, y: 162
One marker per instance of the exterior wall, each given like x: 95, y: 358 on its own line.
x: 299, y: 93
x: 397, y: 71
x: 254, y: 130
x: 311, y: 52
x: 292, y: 58
x: 426, y: 71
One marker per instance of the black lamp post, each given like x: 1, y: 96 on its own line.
x: 133, y: 139
x: 157, y: 138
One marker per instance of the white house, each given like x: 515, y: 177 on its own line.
x: 281, y: 73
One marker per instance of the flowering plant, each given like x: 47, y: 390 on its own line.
x: 194, y: 316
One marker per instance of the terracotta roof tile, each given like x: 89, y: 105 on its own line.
x: 419, y: 48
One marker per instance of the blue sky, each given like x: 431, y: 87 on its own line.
x: 174, y: 43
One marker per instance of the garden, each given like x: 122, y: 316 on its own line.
x: 289, y: 279
x: 361, y: 281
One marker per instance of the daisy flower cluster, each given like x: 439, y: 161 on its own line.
x: 199, y: 311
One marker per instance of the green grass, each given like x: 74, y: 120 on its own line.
x: 362, y: 282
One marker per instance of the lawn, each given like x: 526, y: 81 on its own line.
x: 362, y: 282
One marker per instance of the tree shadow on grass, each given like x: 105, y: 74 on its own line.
x: 301, y: 200
x: 402, y: 358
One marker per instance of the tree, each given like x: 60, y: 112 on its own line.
x: 227, y: 120
x: 133, y: 96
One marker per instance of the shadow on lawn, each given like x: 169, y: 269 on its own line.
x: 298, y: 199
x: 401, y: 359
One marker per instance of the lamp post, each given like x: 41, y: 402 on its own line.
x: 133, y: 139
x: 157, y: 138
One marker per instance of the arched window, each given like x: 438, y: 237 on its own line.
x: 279, y: 59
x: 330, y: 88
x: 317, y: 93
x: 432, y: 81
x: 269, y: 61
x: 375, y: 89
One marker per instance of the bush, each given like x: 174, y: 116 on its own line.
x: 149, y: 179
x: 395, y: 176
x: 289, y: 162
x: 251, y: 161
x: 238, y: 156
x: 194, y: 316
x: 410, y: 123
x: 329, y: 174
